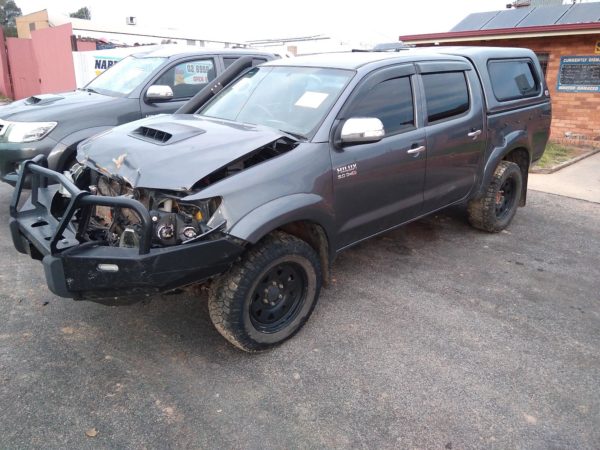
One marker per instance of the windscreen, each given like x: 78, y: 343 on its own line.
x: 122, y: 78
x: 290, y: 99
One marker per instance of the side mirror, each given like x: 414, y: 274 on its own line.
x: 159, y: 93
x: 362, y: 130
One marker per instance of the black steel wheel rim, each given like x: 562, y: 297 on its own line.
x: 505, y: 198
x: 278, y: 296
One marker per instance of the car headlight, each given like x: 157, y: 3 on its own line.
x: 27, y: 131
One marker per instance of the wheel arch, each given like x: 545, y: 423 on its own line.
x: 67, y: 147
x: 301, y: 215
x: 515, y: 149
x: 521, y: 157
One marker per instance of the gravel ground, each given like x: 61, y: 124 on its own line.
x: 432, y: 336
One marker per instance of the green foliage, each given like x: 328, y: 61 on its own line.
x: 82, y: 13
x: 556, y: 154
x: 9, y: 11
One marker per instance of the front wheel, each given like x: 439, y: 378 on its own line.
x: 268, y: 295
x: 495, y: 210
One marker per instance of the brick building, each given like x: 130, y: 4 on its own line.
x: 566, y: 39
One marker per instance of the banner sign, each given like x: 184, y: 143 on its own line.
x: 101, y: 63
x: 579, y: 74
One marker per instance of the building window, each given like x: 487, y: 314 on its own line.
x: 32, y: 26
x: 543, y: 59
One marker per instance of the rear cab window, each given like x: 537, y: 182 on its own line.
x: 446, y: 95
x: 513, y: 79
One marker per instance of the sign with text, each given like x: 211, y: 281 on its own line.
x: 579, y: 74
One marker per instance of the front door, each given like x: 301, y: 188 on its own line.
x: 380, y: 185
x: 185, y: 80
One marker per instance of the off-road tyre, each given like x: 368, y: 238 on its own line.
x: 495, y: 209
x: 232, y: 297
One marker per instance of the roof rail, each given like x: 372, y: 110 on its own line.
x: 387, y: 47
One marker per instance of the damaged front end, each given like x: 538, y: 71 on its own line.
x: 174, y: 221
x: 101, y: 239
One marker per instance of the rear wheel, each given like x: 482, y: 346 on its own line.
x: 495, y: 210
x: 268, y: 295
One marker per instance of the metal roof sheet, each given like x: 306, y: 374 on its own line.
x: 507, y: 19
x: 475, y: 21
x: 582, y: 13
x: 547, y: 15
x: 531, y: 17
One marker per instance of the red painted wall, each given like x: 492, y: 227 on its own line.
x: 23, y: 68
x: 42, y: 64
x: 86, y: 46
x: 5, y: 85
x: 52, y: 49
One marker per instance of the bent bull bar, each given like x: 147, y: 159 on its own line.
x: 92, y: 271
x: 37, y: 221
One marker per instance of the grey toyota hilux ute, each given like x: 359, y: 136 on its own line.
x: 156, y: 81
x: 264, y: 176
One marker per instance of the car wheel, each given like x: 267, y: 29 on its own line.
x: 268, y: 295
x: 494, y: 211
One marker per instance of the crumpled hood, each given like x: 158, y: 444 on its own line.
x: 172, y: 152
x: 51, y: 107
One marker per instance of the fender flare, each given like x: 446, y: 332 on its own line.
x: 284, y: 210
x: 512, y: 141
x: 64, y: 149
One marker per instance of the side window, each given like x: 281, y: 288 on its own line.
x: 391, y: 101
x: 229, y: 60
x: 512, y: 80
x: 187, y: 78
x: 446, y: 95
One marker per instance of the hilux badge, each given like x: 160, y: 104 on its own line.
x: 349, y: 170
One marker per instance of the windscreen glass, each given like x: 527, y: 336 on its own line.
x: 291, y: 99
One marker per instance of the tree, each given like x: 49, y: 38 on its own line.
x: 8, y: 12
x: 82, y: 13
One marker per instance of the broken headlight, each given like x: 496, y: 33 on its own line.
x: 175, y: 222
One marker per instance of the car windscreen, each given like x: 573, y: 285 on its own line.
x: 291, y: 99
x: 122, y: 78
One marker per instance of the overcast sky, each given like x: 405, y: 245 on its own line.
x: 379, y: 20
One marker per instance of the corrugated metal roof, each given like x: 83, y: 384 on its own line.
x: 582, y: 13
x: 532, y: 16
x: 544, y: 16
x: 475, y: 21
x: 507, y: 18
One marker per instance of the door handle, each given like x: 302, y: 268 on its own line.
x: 473, y: 134
x: 416, y: 150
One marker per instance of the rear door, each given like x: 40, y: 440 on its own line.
x: 185, y: 78
x: 454, y: 128
x: 380, y: 185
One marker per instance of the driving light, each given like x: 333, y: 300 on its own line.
x: 108, y: 268
x: 28, y: 131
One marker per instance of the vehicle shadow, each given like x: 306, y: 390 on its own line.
x: 182, y: 320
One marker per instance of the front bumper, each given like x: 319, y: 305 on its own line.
x: 76, y: 270
x: 13, y: 154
